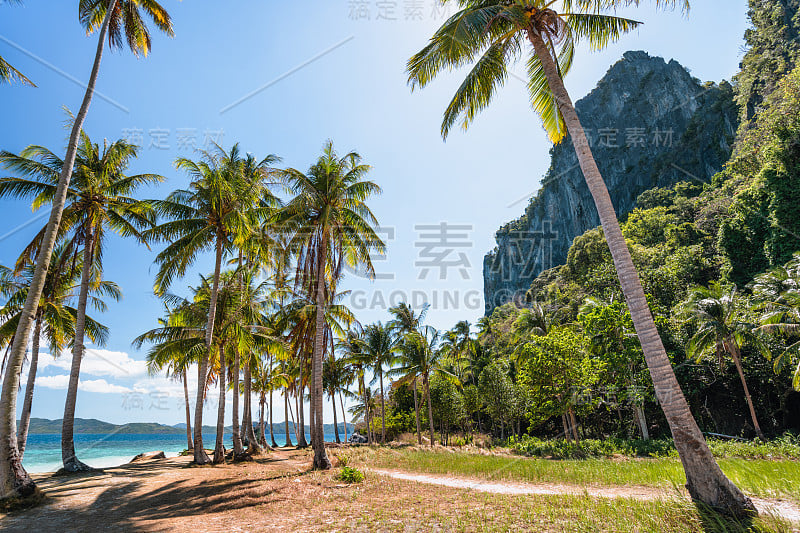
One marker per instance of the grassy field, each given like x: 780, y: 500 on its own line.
x: 762, y: 478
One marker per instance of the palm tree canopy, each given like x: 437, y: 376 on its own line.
x: 491, y: 35
x: 126, y: 24
x: 98, y: 196
x: 224, y: 202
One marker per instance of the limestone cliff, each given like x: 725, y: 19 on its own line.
x: 651, y: 124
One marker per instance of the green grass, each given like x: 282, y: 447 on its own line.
x: 762, y: 478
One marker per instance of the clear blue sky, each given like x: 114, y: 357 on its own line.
x: 315, y: 70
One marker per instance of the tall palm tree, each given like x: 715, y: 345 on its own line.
x: 420, y: 357
x: 380, y: 345
x: 719, y: 314
x: 98, y: 201
x: 218, y: 208
x: 55, y: 317
x: 493, y: 34
x: 350, y: 345
x: 112, y: 19
x: 333, y: 226
x: 405, y: 322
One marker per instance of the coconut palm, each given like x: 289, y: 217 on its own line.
x: 779, y: 289
x: 112, y: 19
x: 333, y: 226
x: 420, y: 356
x: 350, y: 346
x: 719, y: 312
x: 494, y: 34
x: 55, y: 317
x: 178, y: 342
x: 380, y: 345
x: 219, y: 207
x: 98, y: 201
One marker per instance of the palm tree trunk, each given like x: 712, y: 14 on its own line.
x: 366, y: 409
x: 573, y: 422
x: 271, y: 430
x: 71, y: 462
x: 641, y: 421
x: 335, y: 420
x: 188, y: 412
x: 416, y: 413
x: 219, y: 448
x: 200, y: 455
x: 344, y: 416
x: 14, y: 480
x: 737, y: 360
x: 288, y: 442
x: 301, y: 415
x: 296, y: 423
x: 383, y: 407
x: 262, y: 437
x: 253, y: 446
x: 238, y: 450
x: 25, y: 418
x: 704, y: 479
x: 426, y: 382
x: 321, y: 461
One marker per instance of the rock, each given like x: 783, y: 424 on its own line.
x: 651, y: 124
x: 357, y: 438
x: 149, y: 456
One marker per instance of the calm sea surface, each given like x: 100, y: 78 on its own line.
x: 43, y: 452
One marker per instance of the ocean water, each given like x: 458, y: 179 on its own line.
x: 43, y: 452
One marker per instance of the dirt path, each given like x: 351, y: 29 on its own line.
x: 785, y: 509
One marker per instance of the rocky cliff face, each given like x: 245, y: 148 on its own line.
x: 651, y: 124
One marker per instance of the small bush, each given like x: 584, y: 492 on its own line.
x: 343, y: 460
x: 350, y: 475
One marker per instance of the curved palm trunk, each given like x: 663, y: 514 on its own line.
x: 25, y: 418
x: 288, y: 442
x: 200, y: 455
x: 321, y: 461
x: 426, y: 382
x: 219, y: 446
x: 14, y: 480
x: 344, y: 415
x: 704, y: 479
x: 416, y: 413
x: 188, y: 412
x: 71, y: 462
x: 737, y: 360
x: 383, y: 408
x: 271, y: 430
x: 238, y: 450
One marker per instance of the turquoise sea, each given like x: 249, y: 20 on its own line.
x: 43, y: 452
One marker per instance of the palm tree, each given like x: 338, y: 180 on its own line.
x: 214, y: 213
x: 350, y: 345
x: 420, y: 357
x: 98, y: 200
x: 494, y: 34
x: 379, y: 345
x: 178, y: 342
x: 337, y: 376
x: 55, y: 318
x: 113, y: 19
x: 779, y: 289
x: 332, y: 227
x: 719, y: 314
x: 406, y: 320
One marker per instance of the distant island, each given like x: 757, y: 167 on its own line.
x: 43, y: 426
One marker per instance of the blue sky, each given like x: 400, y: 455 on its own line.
x: 282, y: 77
